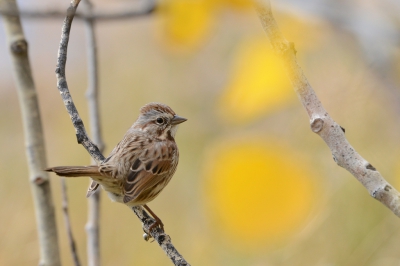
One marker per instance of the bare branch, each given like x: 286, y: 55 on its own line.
x: 62, y: 86
x: 130, y: 13
x: 92, y: 225
x: 158, y: 234
x: 321, y: 123
x: 71, y: 239
x: 34, y: 143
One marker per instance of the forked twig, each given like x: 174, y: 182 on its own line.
x: 162, y: 239
x: 321, y: 123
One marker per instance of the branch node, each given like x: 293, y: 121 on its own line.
x: 161, y: 239
x: 387, y: 188
x: 370, y: 167
x: 317, y: 125
x: 344, y: 130
x: 19, y: 47
x: 39, y: 180
x: 80, y: 138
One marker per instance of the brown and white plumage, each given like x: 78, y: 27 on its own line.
x: 141, y: 164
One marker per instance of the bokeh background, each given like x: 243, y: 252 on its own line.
x: 254, y: 185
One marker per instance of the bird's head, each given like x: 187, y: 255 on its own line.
x: 159, y: 119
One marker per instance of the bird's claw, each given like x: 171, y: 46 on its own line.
x: 147, y: 233
x: 157, y: 223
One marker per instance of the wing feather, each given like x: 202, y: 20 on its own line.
x: 149, y: 170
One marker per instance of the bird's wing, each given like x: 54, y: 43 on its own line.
x: 150, y: 171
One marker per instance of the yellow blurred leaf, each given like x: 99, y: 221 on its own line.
x: 185, y: 23
x: 258, y: 192
x: 258, y: 83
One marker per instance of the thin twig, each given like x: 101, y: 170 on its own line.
x: 99, y: 15
x: 321, y: 123
x: 93, y: 229
x: 67, y: 222
x: 34, y: 143
x: 92, y: 226
x: 162, y: 239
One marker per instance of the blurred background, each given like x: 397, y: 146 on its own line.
x: 254, y: 185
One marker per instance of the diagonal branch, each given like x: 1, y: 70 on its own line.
x: 321, y: 123
x: 162, y: 239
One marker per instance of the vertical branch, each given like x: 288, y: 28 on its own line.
x: 93, y: 229
x: 34, y: 143
x: 71, y: 240
x: 93, y: 80
x: 92, y: 225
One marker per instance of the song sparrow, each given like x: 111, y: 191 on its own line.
x: 141, y: 165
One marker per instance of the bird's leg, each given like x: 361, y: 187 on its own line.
x: 158, y: 221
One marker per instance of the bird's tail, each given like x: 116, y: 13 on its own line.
x: 75, y: 171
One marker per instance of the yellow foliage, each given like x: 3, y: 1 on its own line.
x: 258, y: 83
x: 258, y: 192
x: 185, y: 23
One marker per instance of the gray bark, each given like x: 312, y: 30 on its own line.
x: 34, y: 143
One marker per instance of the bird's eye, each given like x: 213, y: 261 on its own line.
x: 160, y: 120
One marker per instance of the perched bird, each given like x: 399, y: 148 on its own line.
x: 141, y: 165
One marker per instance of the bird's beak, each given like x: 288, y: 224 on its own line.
x: 177, y: 120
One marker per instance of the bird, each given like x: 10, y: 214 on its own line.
x: 141, y: 164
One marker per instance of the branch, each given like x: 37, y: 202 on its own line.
x: 71, y: 240
x: 34, y: 143
x: 162, y: 239
x: 62, y: 86
x: 92, y: 225
x: 99, y: 15
x: 321, y: 123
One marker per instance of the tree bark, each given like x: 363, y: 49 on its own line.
x: 34, y: 143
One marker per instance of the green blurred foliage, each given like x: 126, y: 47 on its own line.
x: 345, y: 227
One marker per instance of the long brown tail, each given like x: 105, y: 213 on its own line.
x: 75, y: 171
